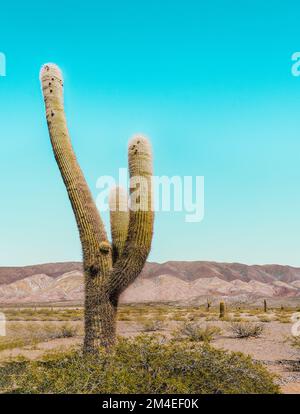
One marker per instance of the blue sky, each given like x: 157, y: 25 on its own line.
x: 208, y: 81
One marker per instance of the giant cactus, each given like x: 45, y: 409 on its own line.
x: 108, y: 268
x: 222, y: 310
x: 265, y: 306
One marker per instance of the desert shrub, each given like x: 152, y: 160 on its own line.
x: 238, y: 319
x: 10, y: 343
x: 194, y: 316
x: 152, y: 325
x: 8, y: 374
x: 284, y: 319
x: 68, y: 331
x: 227, y: 318
x: 253, y: 312
x: 48, y: 331
x: 264, y: 319
x: 31, y: 333
x: 44, y: 314
x: 124, y: 316
x: 178, y: 317
x: 146, y: 364
x: 212, y: 318
x: 294, y: 341
x: 196, y: 333
x: 246, y: 329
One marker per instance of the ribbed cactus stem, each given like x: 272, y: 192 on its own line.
x: 265, y: 306
x: 97, y: 259
x: 131, y: 234
x: 119, y: 219
x: 90, y: 226
x: 222, y: 310
x: 140, y: 229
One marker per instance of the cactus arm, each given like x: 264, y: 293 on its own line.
x: 141, y: 217
x: 119, y: 218
x: 91, y: 228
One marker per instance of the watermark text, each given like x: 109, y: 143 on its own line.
x: 296, y: 65
x: 159, y: 194
x: 2, y: 64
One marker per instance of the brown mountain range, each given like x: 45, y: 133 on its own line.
x: 174, y: 281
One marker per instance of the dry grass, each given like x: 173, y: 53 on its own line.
x: 197, y: 333
x: 265, y: 319
x: 21, y: 334
x: 152, y: 326
x: 294, y: 341
x: 44, y: 314
x: 284, y: 319
x: 37, y: 324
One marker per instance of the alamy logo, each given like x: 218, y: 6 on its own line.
x: 295, y: 318
x: 2, y: 64
x: 176, y: 193
x: 2, y: 324
x: 296, y: 65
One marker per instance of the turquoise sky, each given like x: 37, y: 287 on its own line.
x: 208, y: 81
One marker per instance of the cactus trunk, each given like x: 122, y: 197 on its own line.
x: 222, y: 310
x: 108, y: 269
x: 100, y: 320
x: 265, y: 306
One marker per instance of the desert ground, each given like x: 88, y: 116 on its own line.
x: 32, y: 332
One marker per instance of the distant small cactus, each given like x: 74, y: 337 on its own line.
x: 222, y: 310
x: 265, y: 306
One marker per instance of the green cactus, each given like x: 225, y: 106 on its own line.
x: 222, y: 310
x: 208, y: 304
x: 108, y: 268
x: 265, y: 306
x: 119, y: 220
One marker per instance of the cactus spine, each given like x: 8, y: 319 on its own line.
x: 222, y: 310
x: 108, y: 268
x: 265, y: 306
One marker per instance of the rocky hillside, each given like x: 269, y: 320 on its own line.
x: 12, y: 274
x: 167, y: 282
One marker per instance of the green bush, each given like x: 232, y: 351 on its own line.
x: 146, y: 364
